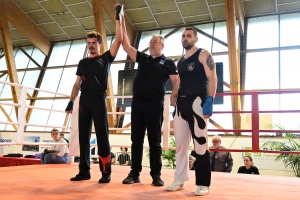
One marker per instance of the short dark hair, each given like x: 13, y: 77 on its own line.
x: 94, y: 34
x: 61, y: 134
x: 126, y: 149
x: 191, y: 29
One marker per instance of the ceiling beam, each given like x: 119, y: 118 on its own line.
x: 99, y: 25
x: 233, y: 65
x: 217, y: 125
x: 9, y: 54
x: 37, y: 85
x: 8, y: 117
x: 37, y: 64
x: 27, y: 27
x: 3, y: 74
x: 211, y: 37
x: 240, y: 16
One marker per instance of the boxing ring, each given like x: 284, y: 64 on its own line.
x: 52, y: 181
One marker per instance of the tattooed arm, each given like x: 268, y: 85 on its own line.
x: 210, y: 70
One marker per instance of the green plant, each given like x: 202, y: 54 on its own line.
x: 168, y: 155
x: 289, y: 160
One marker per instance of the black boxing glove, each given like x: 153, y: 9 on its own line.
x: 118, y: 10
x: 70, y: 106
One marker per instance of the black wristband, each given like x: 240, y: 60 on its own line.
x: 118, y: 10
x: 70, y: 106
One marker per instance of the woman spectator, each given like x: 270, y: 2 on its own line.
x: 59, y: 154
x: 248, y: 168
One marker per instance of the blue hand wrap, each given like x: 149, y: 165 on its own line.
x: 208, y: 106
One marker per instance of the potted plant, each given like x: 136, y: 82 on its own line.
x: 168, y: 155
x: 291, y: 144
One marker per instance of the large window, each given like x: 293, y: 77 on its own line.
x: 203, y: 41
x: 76, y: 52
x: 289, y: 69
x: 262, y: 70
x: 290, y: 29
x: 59, y: 54
x: 21, y: 59
x: 173, y: 46
x: 275, y: 68
x: 263, y: 32
x: 220, y: 33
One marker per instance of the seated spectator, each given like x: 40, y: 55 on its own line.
x: 248, y: 168
x: 220, y: 161
x: 63, y: 136
x: 59, y: 154
x: 124, y: 157
x: 112, y: 157
x: 192, y: 162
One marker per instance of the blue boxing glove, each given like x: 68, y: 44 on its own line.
x: 208, y: 106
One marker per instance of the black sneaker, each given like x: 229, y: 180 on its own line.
x: 80, y: 177
x: 105, y: 178
x: 131, y: 178
x: 157, y: 181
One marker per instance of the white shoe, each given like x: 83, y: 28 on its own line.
x: 176, y: 185
x: 202, y: 190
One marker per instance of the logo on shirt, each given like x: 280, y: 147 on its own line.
x: 190, y: 66
x: 100, y: 62
x: 162, y: 61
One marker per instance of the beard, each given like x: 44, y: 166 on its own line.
x: 187, y: 46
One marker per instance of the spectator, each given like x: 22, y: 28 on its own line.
x: 220, y: 161
x: 59, y: 153
x: 63, y: 136
x: 112, y: 157
x: 192, y: 162
x: 124, y: 157
x: 248, y: 168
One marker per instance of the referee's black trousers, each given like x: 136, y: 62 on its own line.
x: 146, y: 115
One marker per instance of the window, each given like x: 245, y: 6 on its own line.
x: 173, y: 46
x: 203, y: 41
x: 76, y: 52
x: 38, y: 56
x: 50, y: 82
x: 59, y: 54
x: 289, y: 69
x: 220, y: 33
x: 262, y: 70
x: 262, y: 32
x: 21, y: 59
x: 290, y: 29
